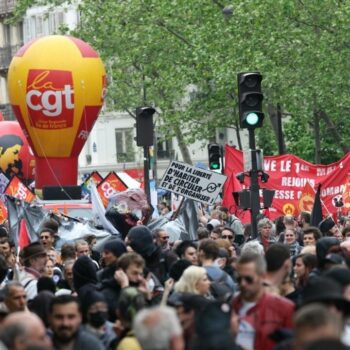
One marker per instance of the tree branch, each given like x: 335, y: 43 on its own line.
x: 162, y: 24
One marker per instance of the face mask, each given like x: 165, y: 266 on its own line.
x: 97, y: 319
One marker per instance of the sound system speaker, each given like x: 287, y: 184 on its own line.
x: 61, y: 192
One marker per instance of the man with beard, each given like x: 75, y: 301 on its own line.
x: 34, y: 258
x: 261, y: 313
x: 65, y: 321
x: 10, y: 146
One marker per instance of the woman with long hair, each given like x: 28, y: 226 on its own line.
x: 304, y: 264
x: 194, y: 280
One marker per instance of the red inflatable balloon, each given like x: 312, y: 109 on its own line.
x: 16, y: 157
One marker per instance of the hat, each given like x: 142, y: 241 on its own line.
x: 334, y: 259
x: 326, y: 224
x: 212, y: 224
x: 84, y: 272
x: 141, y: 241
x: 341, y: 275
x: 325, y: 290
x: 116, y: 247
x: 324, y: 245
x: 33, y: 250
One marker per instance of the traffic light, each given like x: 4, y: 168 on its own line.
x: 250, y: 100
x: 215, y: 156
x: 144, y: 126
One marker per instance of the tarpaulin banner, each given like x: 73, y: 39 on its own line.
x: 289, y: 175
x: 17, y: 189
x: 109, y: 186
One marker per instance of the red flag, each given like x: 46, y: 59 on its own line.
x: 23, y: 239
x: 307, y: 198
x: 17, y: 189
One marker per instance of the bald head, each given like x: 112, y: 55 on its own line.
x: 22, y: 329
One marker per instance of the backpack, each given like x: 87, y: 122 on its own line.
x: 219, y: 288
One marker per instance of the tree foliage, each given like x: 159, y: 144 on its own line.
x: 183, y: 58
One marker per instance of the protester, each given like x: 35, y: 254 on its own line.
x: 315, y: 322
x: 265, y: 237
x: 112, y: 251
x: 34, y: 258
x: 278, y: 267
x: 161, y: 238
x: 220, y: 295
x: 14, y: 296
x: 47, y: 238
x: 261, y: 313
x: 95, y: 318
x: 291, y: 240
x: 157, y: 261
x: 304, y: 264
x: 130, y: 302
x: 187, y: 250
x: 194, y: 280
x: 65, y: 322
x: 158, y: 328
x: 208, y: 253
x: 24, y: 330
x: 311, y: 235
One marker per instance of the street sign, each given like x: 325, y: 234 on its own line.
x: 198, y: 184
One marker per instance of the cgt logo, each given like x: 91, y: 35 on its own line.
x: 50, y: 94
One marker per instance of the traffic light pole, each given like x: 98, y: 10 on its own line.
x: 146, y: 172
x: 254, y: 186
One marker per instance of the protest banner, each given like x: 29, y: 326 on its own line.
x: 188, y: 181
x: 288, y: 176
x: 95, y: 178
x: 17, y: 189
x: 109, y: 186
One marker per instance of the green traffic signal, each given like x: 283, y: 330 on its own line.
x: 215, y: 156
x: 252, y: 119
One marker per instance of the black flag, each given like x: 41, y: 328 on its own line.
x: 316, y: 213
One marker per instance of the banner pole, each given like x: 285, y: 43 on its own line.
x: 176, y: 214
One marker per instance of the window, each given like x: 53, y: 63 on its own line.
x: 125, y: 145
x: 164, y: 148
x: 39, y: 26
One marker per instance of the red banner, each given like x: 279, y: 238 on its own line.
x: 17, y: 189
x: 288, y: 176
x: 109, y: 186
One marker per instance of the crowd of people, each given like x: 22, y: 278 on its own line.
x: 287, y: 288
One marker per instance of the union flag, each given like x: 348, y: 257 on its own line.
x: 307, y: 198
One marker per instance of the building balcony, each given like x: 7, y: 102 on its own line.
x: 6, y: 54
x: 7, y: 7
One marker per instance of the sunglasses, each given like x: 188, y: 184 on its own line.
x: 227, y: 237
x: 247, y: 279
x: 165, y: 237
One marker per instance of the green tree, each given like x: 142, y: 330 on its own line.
x: 155, y: 50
